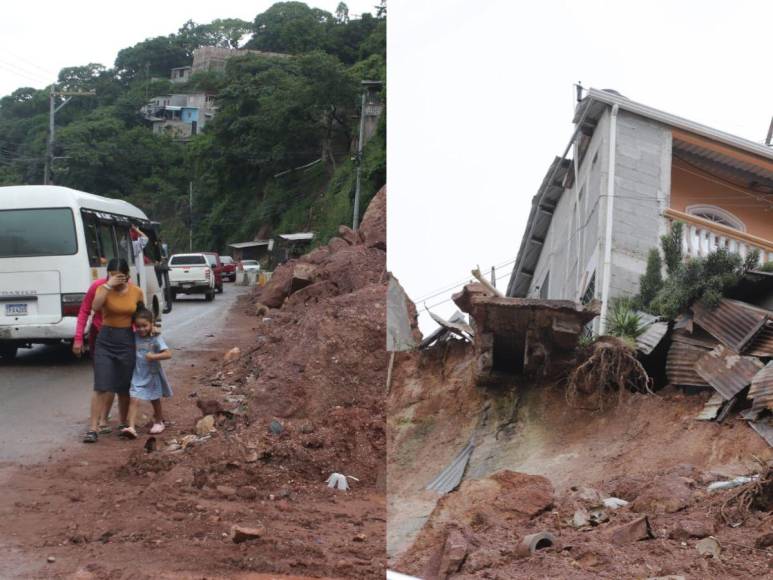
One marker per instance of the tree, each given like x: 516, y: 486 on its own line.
x: 672, y: 248
x: 224, y: 33
x: 342, y: 13
x: 290, y: 27
x: 652, y: 281
x: 152, y: 57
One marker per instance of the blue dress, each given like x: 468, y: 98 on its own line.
x: 148, y: 380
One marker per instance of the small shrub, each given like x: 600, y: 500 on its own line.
x: 672, y: 248
x: 652, y: 280
x: 766, y: 267
x: 623, y: 321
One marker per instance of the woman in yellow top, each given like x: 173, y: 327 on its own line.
x: 114, y: 352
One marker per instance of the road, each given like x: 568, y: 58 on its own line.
x: 45, y: 392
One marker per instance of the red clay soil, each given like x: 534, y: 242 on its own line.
x: 648, y: 450
x: 304, y: 400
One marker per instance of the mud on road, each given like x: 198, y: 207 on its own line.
x: 303, y: 398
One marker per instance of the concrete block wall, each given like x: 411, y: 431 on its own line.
x: 642, y: 186
x: 573, y: 240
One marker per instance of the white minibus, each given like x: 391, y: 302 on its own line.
x: 54, y: 241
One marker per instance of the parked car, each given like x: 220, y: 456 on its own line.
x: 249, y: 266
x: 217, y: 267
x: 229, y: 268
x: 191, y: 274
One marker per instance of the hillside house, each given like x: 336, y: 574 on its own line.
x: 181, y: 74
x: 632, y: 172
x: 214, y: 58
x: 180, y: 116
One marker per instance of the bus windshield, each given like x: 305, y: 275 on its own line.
x: 37, y: 232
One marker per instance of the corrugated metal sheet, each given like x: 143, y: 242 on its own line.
x: 762, y: 345
x: 729, y: 373
x: 699, y: 338
x: 764, y: 429
x: 651, y: 337
x: 733, y: 323
x: 762, y: 388
x: 680, y: 364
x: 711, y: 408
x: 448, y: 479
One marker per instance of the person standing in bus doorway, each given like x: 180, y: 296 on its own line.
x: 114, y: 354
x: 85, y: 314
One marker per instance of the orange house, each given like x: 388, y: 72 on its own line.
x: 627, y: 173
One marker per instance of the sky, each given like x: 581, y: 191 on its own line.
x: 38, y: 38
x: 481, y: 100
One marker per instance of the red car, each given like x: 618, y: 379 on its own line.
x: 229, y: 268
x: 217, y: 268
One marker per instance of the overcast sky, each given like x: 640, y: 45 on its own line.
x: 38, y: 38
x: 481, y: 100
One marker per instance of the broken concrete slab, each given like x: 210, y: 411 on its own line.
x: 241, y: 534
x: 638, y: 529
x: 520, y: 335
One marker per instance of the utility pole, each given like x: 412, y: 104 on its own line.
x: 53, y: 109
x: 190, y: 208
x: 358, y: 159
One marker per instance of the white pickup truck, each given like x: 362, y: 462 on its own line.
x: 191, y: 274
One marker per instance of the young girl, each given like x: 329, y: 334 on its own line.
x: 148, y: 381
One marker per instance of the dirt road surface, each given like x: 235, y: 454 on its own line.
x: 44, y: 393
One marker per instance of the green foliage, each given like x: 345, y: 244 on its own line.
x: 652, y: 280
x: 672, y: 248
x: 290, y: 27
x: 699, y: 279
x: 274, y: 115
x: 623, y: 321
x: 766, y: 267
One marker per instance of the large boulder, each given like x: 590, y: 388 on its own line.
x: 373, y: 227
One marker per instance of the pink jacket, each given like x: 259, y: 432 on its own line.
x: 85, y: 310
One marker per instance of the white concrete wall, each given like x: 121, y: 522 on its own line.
x: 571, y: 250
x: 574, y: 246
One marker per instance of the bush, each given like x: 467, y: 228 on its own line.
x: 623, y: 321
x: 672, y: 248
x: 651, y: 282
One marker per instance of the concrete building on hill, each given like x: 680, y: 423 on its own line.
x: 634, y: 170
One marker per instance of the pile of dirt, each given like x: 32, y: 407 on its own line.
x: 238, y: 485
x: 565, y: 459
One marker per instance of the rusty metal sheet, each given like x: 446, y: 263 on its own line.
x: 729, y: 373
x: 711, y: 408
x: 651, y: 337
x: 699, y: 338
x: 680, y: 364
x: 733, y: 323
x: 761, y: 390
x: 762, y: 345
x: 764, y: 429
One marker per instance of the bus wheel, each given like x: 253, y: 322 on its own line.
x: 8, y: 351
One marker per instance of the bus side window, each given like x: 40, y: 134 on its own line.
x: 92, y: 240
x: 124, y: 243
x: 106, y: 243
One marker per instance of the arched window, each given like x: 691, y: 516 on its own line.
x: 717, y: 215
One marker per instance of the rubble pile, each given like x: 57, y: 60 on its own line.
x: 635, y: 488
x: 302, y: 402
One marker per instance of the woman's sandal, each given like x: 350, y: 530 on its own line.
x: 90, y: 437
x: 129, y: 433
x: 105, y: 429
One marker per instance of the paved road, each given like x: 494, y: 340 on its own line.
x: 44, y: 393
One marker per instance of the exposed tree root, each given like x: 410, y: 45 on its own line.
x: 755, y: 495
x: 611, y: 367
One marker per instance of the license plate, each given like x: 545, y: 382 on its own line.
x: 16, y: 310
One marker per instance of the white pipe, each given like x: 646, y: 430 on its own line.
x: 610, y: 208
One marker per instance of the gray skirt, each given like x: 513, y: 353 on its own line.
x: 114, y: 357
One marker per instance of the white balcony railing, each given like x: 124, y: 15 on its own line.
x: 700, y: 237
